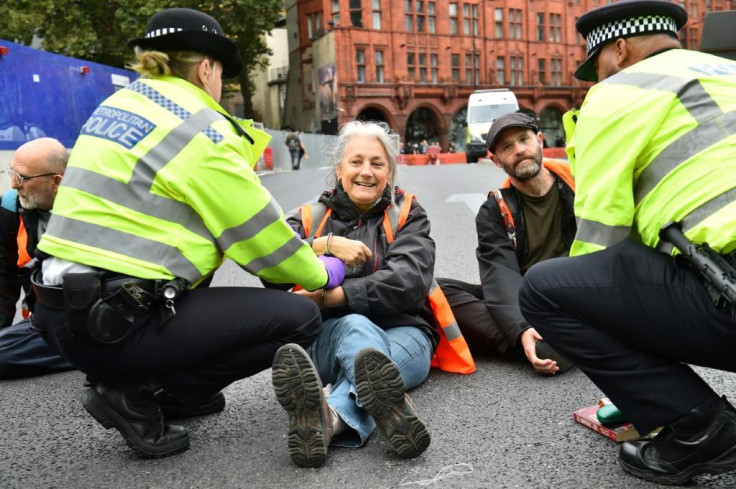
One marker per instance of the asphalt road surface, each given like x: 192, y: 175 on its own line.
x: 502, y: 427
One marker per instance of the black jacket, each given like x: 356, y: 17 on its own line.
x: 391, y: 289
x: 10, y: 281
x: 498, y: 261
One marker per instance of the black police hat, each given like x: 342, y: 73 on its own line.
x: 514, y: 119
x: 627, y: 18
x: 183, y: 29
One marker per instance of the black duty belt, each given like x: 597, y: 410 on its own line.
x: 53, y: 296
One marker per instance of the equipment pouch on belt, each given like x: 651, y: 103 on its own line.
x: 89, y: 314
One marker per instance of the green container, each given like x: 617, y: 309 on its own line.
x: 609, y: 415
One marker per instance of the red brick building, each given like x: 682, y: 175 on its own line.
x: 413, y: 63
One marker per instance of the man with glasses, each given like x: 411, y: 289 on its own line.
x: 529, y: 219
x: 35, y: 173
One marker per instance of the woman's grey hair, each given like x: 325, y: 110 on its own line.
x: 379, y: 130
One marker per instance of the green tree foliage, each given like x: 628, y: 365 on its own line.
x: 98, y: 30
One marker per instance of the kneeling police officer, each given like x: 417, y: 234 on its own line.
x: 159, y: 190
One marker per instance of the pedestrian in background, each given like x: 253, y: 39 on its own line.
x: 296, y: 149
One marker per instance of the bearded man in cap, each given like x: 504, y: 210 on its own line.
x: 654, y: 143
x: 529, y: 219
x: 159, y: 190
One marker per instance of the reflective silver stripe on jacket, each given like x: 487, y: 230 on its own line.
x: 121, y: 242
x: 599, y: 233
x: 275, y: 258
x: 698, y: 215
x: 270, y: 213
x: 452, y: 330
x: 713, y: 125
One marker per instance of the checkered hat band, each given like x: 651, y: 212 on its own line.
x: 629, y: 27
x: 163, y: 31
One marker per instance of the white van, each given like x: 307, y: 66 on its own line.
x: 484, y: 107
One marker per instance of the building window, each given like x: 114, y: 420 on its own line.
x: 501, y: 71
x: 336, y: 11
x: 453, y: 18
x: 555, y: 27
x: 543, y: 71
x: 356, y: 13
x: 455, y: 60
x: 540, y: 27
x: 433, y: 66
x: 376, y: 14
x: 310, y: 32
x: 517, y: 67
x: 422, y: 67
x: 360, y: 62
x: 555, y: 72
x: 409, y: 23
x: 420, y: 16
x: 498, y: 16
x: 378, y: 57
x: 468, y: 69
x: 476, y: 68
x: 410, y: 68
x: 318, y: 30
x: 431, y: 18
x: 514, y: 23
x: 475, y: 19
x: 466, y: 18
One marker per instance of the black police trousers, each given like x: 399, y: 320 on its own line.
x: 631, y: 318
x: 218, y: 336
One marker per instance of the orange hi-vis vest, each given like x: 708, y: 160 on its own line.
x: 452, y: 353
x: 559, y: 168
x: 10, y: 202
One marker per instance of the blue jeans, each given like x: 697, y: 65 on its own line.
x: 23, y: 353
x: 334, y: 356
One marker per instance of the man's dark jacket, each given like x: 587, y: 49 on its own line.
x: 10, y: 281
x: 500, y: 264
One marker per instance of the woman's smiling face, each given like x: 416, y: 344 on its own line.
x: 364, y: 171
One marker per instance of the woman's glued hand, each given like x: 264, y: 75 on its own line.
x: 351, y: 251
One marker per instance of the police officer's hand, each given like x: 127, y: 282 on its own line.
x: 529, y: 339
x: 351, y: 251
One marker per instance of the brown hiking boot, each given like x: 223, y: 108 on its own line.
x: 299, y: 391
x: 381, y: 391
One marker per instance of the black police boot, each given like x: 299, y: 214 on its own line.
x: 703, y: 441
x: 171, y: 408
x: 130, y: 408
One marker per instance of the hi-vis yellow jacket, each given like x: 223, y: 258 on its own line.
x: 657, y: 143
x: 160, y: 184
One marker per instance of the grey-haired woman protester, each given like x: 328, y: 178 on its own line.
x: 379, y: 334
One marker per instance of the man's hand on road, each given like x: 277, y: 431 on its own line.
x: 529, y: 339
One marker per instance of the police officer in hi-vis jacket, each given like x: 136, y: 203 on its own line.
x: 654, y: 143
x: 159, y: 190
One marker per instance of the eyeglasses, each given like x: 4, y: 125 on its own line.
x: 19, y: 179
